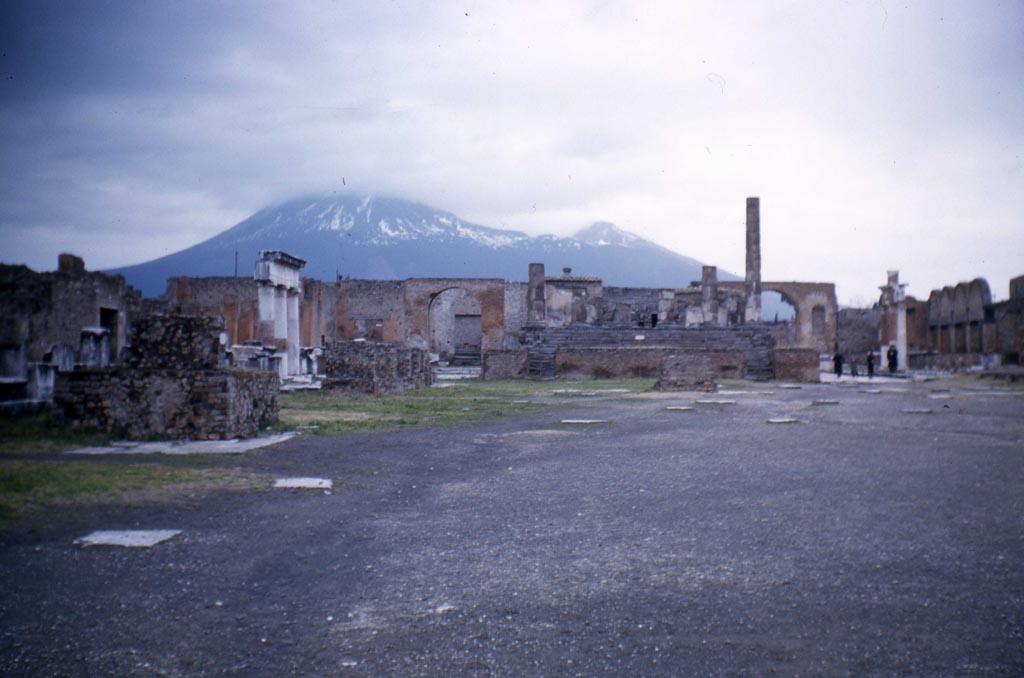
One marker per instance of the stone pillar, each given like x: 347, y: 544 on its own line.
x: 293, y: 332
x: 894, y: 310
x: 265, y: 309
x: 536, y: 301
x: 280, y: 313
x: 709, y: 293
x: 752, y: 312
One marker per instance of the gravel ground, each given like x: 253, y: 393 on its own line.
x: 862, y: 540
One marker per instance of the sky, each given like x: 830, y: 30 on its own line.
x: 879, y: 135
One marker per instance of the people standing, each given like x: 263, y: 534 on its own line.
x: 891, y: 355
x: 837, y: 363
x: 871, y: 364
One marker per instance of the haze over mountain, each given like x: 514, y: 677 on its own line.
x: 389, y: 238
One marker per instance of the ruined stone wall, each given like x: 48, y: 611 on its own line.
x: 235, y: 300
x: 609, y: 362
x: 754, y: 341
x: 516, y: 307
x: 699, y: 370
x: 642, y: 302
x: 375, y: 368
x: 371, y: 309
x: 489, y: 294
x: 41, y: 310
x: 170, y: 404
x: 504, y: 364
x: 176, y: 343
x: 317, y: 324
x: 797, y: 364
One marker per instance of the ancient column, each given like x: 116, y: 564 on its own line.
x: 536, y: 303
x: 709, y: 294
x: 752, y: 313
x: 293, y: 331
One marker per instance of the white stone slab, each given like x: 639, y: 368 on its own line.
x: 871, y: 390
x: 129, y: 538
x: 235, y: 446
x: 304, y: 483
x: 741, y: 393
x: 916, y: 410
x: 584, y: 421
x: 824, y: 402
x: 940, y: 396
x: 783, y: 420
x: 714, y: 401
x: 679, y: 408
x: 611, y: 390
x: 791, y: 387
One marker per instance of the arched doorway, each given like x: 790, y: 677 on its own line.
x: 455, y: 326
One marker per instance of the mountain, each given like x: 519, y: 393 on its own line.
x: 388, y: 238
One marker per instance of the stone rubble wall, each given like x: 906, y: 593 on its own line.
x: 609, y: 362
x: 504, y: 364
x: 375, y: 368
x: 176, y: 343
x: 698, y: 370
x: 169, y: 404
x: 797, y: 364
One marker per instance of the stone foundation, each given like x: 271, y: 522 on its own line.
x: 797, y: 364
x: 609, y: 362
x: 504, y: 364
x: 698, y: 370
x: 376, y: 368
x: 169, y: 404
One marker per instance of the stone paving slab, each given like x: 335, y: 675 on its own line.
x: 783, y: 420
x: 584, y: 421
x: 127, y: 538
x: 235, y: 446
x: 714, y: 401
x: 300, y: 483
x: 679, y: 408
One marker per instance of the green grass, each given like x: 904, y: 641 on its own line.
x: 462, y: 403
x: 38, y: 434
x: 25, y: 485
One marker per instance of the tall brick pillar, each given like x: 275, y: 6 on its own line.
x: 752, y: 313
x: 536, y: 302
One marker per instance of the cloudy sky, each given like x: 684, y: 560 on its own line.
x: 878, y: 134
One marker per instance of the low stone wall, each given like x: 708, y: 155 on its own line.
x: 170, y: 404
x: 504, y: 364
x: 371, y: 367
x: 950, y: 361
x: 698, y: 370
x: 797, y: 364
x: 174, y: 342
x: 609, y: 362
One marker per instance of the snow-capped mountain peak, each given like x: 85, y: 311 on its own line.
x: 603, y: 233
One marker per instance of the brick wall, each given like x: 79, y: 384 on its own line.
x: 370, y: 367
x: 797, y: 364
x: 698, y: 370
x: 609, y: 362
x: 170, y: 404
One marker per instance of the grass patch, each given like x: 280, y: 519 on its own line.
x: 461, y: 403
x: 26, y: 485
x: 38, y: 434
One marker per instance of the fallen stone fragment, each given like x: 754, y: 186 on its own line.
x: 714, y: 401
x: 783, y: 420
x: 791, y: 387
x: 731, y: 392
x: 940, y: 396
x: 871, y: 390
x: 918, y: 411
x: 679, y: 408
x: 824, y: 402
x: 234, y: 446
x: 128, y: 538
x: 584, y: 421
x: 304, y: 483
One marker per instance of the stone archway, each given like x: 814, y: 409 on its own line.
x: 455, y: 325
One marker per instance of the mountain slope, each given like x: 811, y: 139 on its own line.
x: 388, y: 238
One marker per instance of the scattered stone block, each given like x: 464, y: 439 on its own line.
x: 127, y: 538
x: 299, y: 483
x: 714, y: 401
x: 679, y: 408
x: 783, y: 420
x: 919, y: 410
x: 584, y: 421
x: 824, y: 402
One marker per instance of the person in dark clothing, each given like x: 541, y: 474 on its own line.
x: 837, y: 363
x: 871, y: 364
x: 891, y: 356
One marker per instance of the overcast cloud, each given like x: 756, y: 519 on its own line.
x: 877, y: 134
